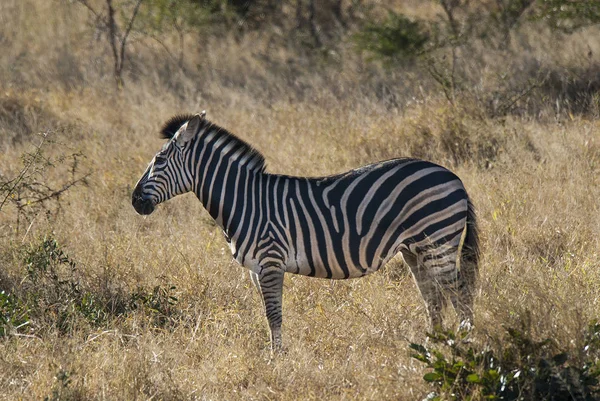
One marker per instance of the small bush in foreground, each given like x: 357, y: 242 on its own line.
x: 53, y: 290
x: 53, y: 294
x: 523, y: 369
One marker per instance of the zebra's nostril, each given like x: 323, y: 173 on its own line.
x: 143, y: 206
x: 136, y: 195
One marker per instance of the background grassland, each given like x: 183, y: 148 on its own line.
x: 105, y: 304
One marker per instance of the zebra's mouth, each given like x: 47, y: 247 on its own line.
x: 141, y: 204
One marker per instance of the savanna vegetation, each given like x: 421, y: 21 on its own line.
x: 99, y: 303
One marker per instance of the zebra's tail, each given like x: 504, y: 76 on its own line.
x: 468, y: 271
x: 470, y: 248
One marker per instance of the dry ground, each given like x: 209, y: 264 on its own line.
x: 534, y: 178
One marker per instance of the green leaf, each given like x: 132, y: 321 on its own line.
x: 439, y: 355
x: 419, y: 348
x: 492, y: 374
x: 432, y: 377
x: 421, y: 358
x: 473, y: 378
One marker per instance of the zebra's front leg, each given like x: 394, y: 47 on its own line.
x: 271, y: 287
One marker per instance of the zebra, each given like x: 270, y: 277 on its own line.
x: 336, y: 227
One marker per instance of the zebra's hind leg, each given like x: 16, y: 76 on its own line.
x: 271, y: 286
x: 429, y: 289
x: 462, y: 295
x: 452, y: 278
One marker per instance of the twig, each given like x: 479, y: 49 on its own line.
x: 90, y: 8
x: 503, y: 109
x: 452, y: 75
x: 185, y: 259
x: 29, y: 228
x: 447, y: 86
x: 163, y: 45
x: 24, y: 171
x: 28, y: 336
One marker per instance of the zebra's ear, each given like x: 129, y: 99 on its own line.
x: 193, y: 126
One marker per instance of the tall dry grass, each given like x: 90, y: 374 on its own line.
x: 106, y: 326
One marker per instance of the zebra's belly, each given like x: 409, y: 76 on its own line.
x: 330, y: 268
x: 332, y: 255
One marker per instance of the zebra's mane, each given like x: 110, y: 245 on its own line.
x: 170, y: 128
x: 246, y: 154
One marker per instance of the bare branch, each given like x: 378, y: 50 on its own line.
x: 314, y: 31
x: 112, y: 29
x: 449, y: 10
x: 127, y: 32
x: 56, y: 193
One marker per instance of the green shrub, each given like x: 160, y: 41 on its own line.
x: 522, y: 369
x: 63, y: 389
x: 56, y: 295
x: 568, y: 15
x: 159, y: 303
x: 53, y: 291
x: 53, y: 295
x: 395, y: 39
x: 45, y: 260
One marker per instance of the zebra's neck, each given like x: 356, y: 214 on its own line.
x: 225, y: 170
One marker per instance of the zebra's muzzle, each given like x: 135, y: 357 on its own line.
x: 141, y: 205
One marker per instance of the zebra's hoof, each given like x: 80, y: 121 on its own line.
x: 465, y: 326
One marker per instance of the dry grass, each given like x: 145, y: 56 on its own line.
x: 533, y: 177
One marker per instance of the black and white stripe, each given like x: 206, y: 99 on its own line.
x: 336, y: 227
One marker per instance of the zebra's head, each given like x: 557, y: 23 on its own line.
x: 167, y: 174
